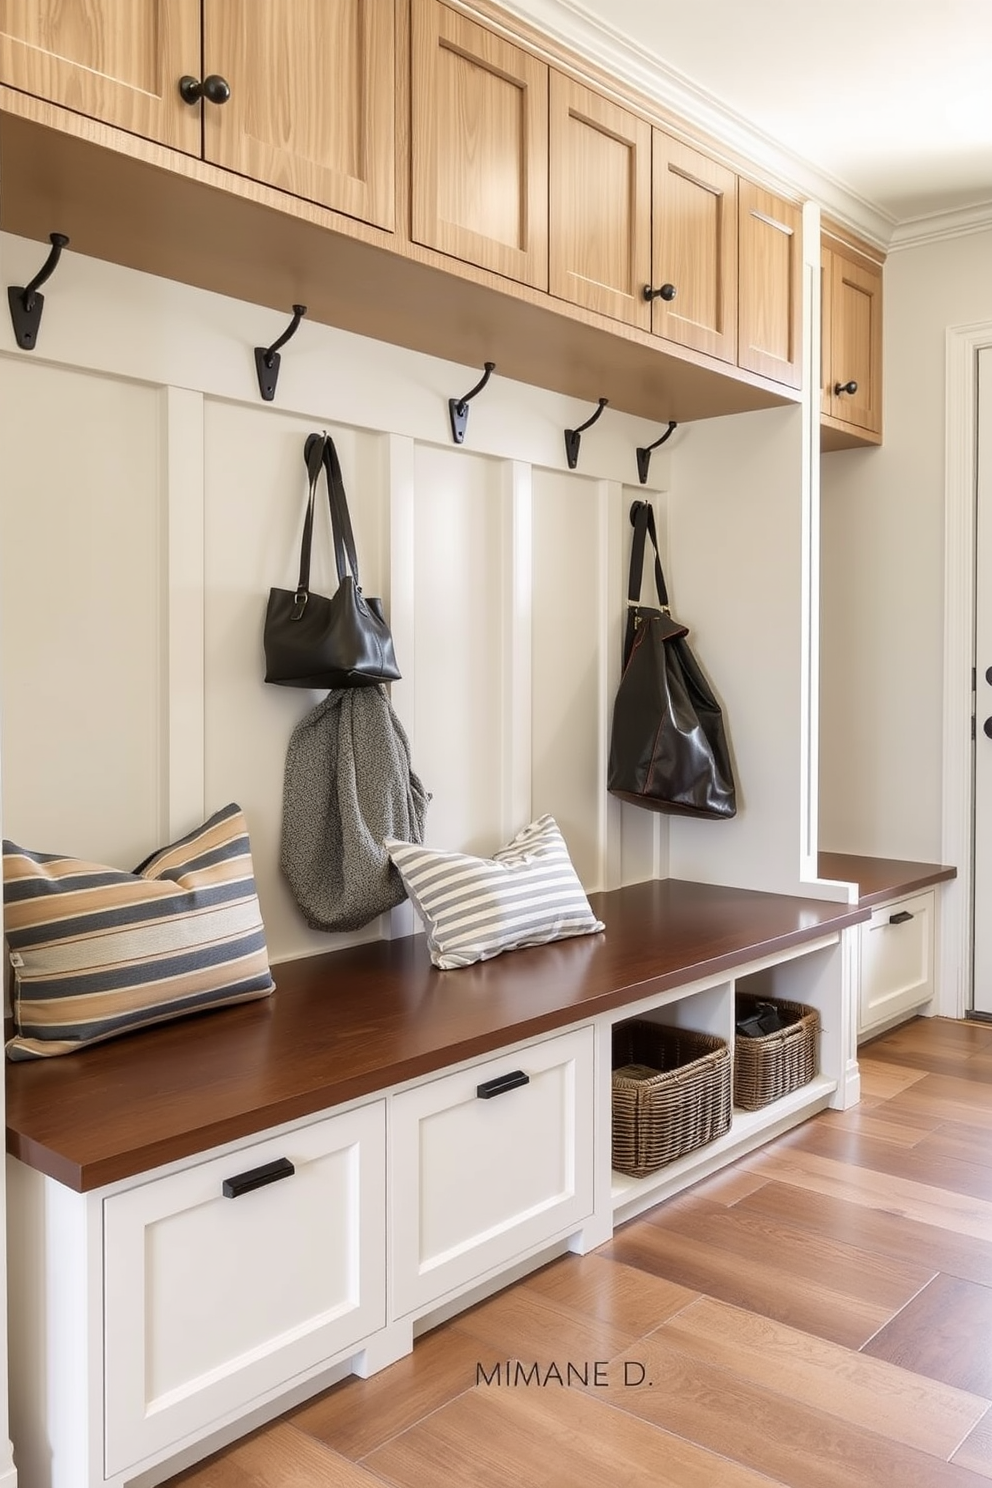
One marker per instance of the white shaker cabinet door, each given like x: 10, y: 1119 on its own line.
x: 227, y: 1279
x: 897, y: 959
x: 487, y: 1164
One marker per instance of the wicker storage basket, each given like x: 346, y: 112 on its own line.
x: 768, y: 1067
x: 671, y: 1094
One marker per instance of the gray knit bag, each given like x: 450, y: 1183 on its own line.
x: 348, y: 786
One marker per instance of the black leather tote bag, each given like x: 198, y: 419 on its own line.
x: 314, y: 641
x: 668, y: 746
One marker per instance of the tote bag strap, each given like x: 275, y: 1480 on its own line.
x: 345, y: 551
x: 313, y: 455
x: 642, y: 517
x: 318, y: 453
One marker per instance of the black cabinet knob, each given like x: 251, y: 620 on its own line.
x: 214, y: 89
x: 846, y: 387
x: 987, y: 726
x: 665, y: 292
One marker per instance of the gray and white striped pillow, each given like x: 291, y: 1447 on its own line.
x: 97, y: 952
x: 474, y: 908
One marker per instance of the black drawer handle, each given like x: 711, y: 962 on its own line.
x: 900, y: 918
x: 243, y: 1183
x: 501, y: 1084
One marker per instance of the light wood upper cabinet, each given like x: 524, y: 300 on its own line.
x: 851, y: 346
x: 479, y: 145
x: 770, y: 285
x: 118, y: 61
x: 481, y: 148
x: 312, y: 84
x: 600, y: 193
x: 694, y: 249
x: 312, y: 98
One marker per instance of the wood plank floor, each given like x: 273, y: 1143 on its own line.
x: 818, y: 1315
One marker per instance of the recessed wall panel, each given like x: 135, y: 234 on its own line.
x: 255, y: 489
x: 568, y: 700
x: 81, y: 612
x: 459, y: 595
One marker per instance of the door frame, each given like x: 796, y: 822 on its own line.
x: 963, y: 344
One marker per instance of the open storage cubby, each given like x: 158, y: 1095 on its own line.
x: 810, y: 974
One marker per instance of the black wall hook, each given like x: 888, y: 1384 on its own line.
x: 267, y: 357
x: 458, y: 407
x: 644, y: 455
x: 27, y: 304
x: 573, y: 436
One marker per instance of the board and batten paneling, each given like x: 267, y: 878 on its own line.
x: 503, y: 573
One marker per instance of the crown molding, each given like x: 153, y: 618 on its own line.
x: 571, y: 25
x: 938, y: 226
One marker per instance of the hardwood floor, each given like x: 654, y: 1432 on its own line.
x: 818, y: 1315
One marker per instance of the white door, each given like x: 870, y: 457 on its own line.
x: 982, y: 880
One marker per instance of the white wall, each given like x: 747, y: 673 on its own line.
x: 882, y: 572
x: 736, y: 577
x: 8, y: 1473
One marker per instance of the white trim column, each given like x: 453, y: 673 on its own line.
x: 963, y: 344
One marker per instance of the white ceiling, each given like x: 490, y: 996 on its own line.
x: 891, y: 100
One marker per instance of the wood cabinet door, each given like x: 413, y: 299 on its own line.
x: 600, y: 218
x: 694, y: 248
x: 770, y: 288
x: 312, y: 98
x: 118, y: 61
x: 479, y: 146
x: 853, y: 336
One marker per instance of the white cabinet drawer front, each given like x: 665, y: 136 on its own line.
x: 479, y: 1180
x: 897, y: 958
x: 211, y: 1299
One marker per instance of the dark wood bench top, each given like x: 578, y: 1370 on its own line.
x: 347, y: 1024
x: 879, y: 879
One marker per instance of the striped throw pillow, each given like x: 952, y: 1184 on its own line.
x: 97, y: 952
x: 473, y: 908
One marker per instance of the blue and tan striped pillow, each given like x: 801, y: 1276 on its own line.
x: 97, y: 952
x: 473, y: 908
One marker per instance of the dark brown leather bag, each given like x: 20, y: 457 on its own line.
x: 313, y: 641
x: 668, y: 746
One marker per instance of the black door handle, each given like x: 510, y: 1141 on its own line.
x: 243, y: 1183
x: 501, y: 1084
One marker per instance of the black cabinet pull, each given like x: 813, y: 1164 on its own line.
x: 845, y: 387
x: 664, y: 292
x: 501, y: 1083
x: 243, y: 1183
x: 900, y: 918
